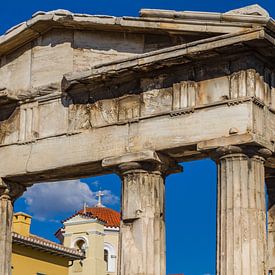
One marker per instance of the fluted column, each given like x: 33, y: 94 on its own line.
x: 142, y: 230
x: 271, y: 240
x: 270, y: 182
x: 8, y: 193
x: 241, y: 212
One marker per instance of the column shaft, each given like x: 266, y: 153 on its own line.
x: 271, y: 240
x: 270, y: 186
x: 8, y: 194
x: 241, y: 217
x: 6, y: 214
x: 142, y: 238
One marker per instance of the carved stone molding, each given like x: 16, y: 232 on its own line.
x: 29, y: 122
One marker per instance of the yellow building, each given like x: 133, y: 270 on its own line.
x: 89, y: 245
x: 33, y: 255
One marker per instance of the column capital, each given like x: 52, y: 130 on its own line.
x: 238, y: 151
x: 147, y: 161
x: 11, y: 190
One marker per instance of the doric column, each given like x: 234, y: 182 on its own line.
x: 241, y: 211
x: 8, y: 194
x: 142, y: 230
x: 270, y: 183
x: 271, y: 240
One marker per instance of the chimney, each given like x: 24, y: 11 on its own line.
x: 21, y: 223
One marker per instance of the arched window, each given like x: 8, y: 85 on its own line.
x: 109, y: 257
x: 106, y: 257
x: 81, y: 244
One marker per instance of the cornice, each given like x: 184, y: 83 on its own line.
x: 175, y: 55
x: 149, y: 21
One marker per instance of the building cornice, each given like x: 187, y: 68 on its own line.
x: 150, y: 21
x: 95, y: 232
x: 72, y: 222
x: 111, y: 229
x: 175, y: 55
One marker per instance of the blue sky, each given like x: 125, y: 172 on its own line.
x: 190, y: 196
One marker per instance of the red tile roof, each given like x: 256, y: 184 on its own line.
x: 45, y: 245
x: 108, y: 215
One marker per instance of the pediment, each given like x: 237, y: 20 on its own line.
x: 250, y: 10
x: 189, y: 25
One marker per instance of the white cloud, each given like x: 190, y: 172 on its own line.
x: 110, y: 198
x: 95, y: 183
x: 47, y: 200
